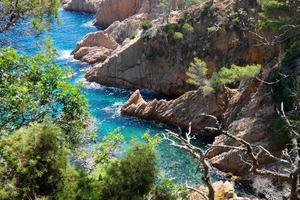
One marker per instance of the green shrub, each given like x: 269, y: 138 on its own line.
x: 40, y: 92
x: 178, y: 35
x: 132, y: 35
x: 147, y: 35
x: 291, y: 54
x: 147, y: 24
x: 280, y: 132
x: 212, y: 29
x: 188, y: 27
x: 227, y: 76
x: 133, y: 176
x: 197, y: 72
x: 170, y: 29
x: 168, y: 190
x: 34, y: 164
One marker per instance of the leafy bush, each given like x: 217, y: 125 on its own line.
x: 197, y: 72
x: 178, y: 35
x: 35, y: 89
x: 33, y: 163
x: 227, y: 76
x: 188, y: 27
x: 133, y: 176
x: 168, y: 190
x: 280, y: 15
x: 132, y: 35
x: 280, y: 131
x: 147, y: 24
x: 147, y: 36
x: 170, y: 29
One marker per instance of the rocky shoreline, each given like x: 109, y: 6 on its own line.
x: 124, y: 54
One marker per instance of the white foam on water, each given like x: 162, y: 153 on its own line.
x: 114, y: 109
x: 90, y: 85
x: 65, y: 55
x: 88, y: 24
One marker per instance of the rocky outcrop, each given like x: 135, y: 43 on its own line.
x: 179, y: 112
x: 110, y: 11
x: 98, y: 46
x: 90, y: 6
x: 158, y: 61
x: 95, y: 47
x: 248, y: 115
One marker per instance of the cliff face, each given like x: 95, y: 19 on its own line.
x: 118, y: 10
x: 250, y: 109
x: 157, y: 60
x: 90, y: 6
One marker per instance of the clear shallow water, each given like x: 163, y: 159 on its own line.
x: 105, y: 102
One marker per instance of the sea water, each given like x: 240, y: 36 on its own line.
x: 105, y: 102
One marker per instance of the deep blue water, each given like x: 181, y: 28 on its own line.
x: 105, y: 102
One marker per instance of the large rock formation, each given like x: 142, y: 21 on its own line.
x: 95, y: 47
x: 179, y: 112
x: 158, y: 61
x: 118, y: 10
x: 250, y: 110
x: 90, y: 6
x: 248, y: 115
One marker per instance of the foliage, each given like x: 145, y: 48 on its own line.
x: 287, y: 89
x: 133, y: 175
x: 147, y: 24
x: 170, y: 29
x: 42, y: 12
x: 132, y: 35
x: 197, y: 73
x: 168, y: 190
x: 34, y: 89
x: 33, y: 164
x: 188, y: 27
x: 178, y: 35
x: 280, y: 132
x: 147, y: 35
x: 109, y: 145
x: 280, y: 15
x: 235, y: 73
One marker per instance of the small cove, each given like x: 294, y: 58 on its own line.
x: 105, y: 102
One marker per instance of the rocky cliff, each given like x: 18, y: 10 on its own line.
x: 250, y: 109
x: 90, y: 6
x: 157, y: 59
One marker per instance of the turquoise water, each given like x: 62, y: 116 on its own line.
x: 105, y: 102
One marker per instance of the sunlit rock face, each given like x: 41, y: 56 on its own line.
x: 89, y: 6
x: 118, y: 10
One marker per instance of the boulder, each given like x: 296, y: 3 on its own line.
x: 92, y: 54
x: 95, y: 48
